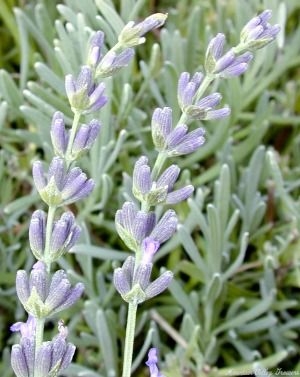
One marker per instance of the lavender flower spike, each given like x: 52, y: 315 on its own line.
x: 257, y: 33
x: 55, y: 356
x: 160, y: 191
x: 42, y: 298
x: 59, y: 186
x: 83, y: 141
x: 113, y: 62
x: 83, y: 94
x: 227, y: 65
x: 177, y: 141
x: 187, y: 88
x: 152, y: 363
x: 132, y: 34
x: 133, y: 225
x: 85, y: 137
x: 64, y: 235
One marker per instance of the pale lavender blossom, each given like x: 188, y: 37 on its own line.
x: 227, y: 65
x: 64, y: 234
x: 59, y: 135
x: 257, y: 33
x: 55, y: 355
x: 52, y: 357
x: 133, y: 226
x: 149, y: 248
x: 152, y: 363
x: 165, y: 227
x: 174, y: 141
x: 84, y: 137
x: 161, y: 190
x: 26, y: 329
x: 23, y: 357
x: 41, y: 297
x: 95, y: 47
x: 132, y: 33
x: 112, y: 62
x: 59, y: 186
x: 83, y: 94
x: 134, y: 284
x: 188, y: 87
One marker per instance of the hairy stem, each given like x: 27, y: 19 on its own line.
x: 49, y: 226
x: 68, y: 156
x: 129, y: 339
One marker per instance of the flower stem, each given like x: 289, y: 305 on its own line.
x: 49, y: 226
x: 129, y: 339
x: 68, y: 156
x: 160, y: 160
x: 203, y: 86
x: 39, y: 334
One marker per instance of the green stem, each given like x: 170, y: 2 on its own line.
x: 49, y: 227
x: 160, y: 160
x: 39, y: 334
x: 208, y: 79
x: 129, y: 340
x: 68, y: 156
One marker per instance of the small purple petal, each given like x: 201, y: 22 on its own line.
x: 159, y: 285
x: 142, y: 275
x: 22, y: 286
x: 121, y: 281
x: 169, y: 177
x: 165, y: 228
x: 73, y: 296
x: 149, y: 248
x: 18, y: 361
x: 179, y: 195
x: 143, y: 224
x: 37, y: 231
x: 38, y: 175
x: 217, y: 114
x: 177, y: 135
x: 44, y: 357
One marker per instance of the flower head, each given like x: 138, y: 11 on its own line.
x: 134, y: 284
x: 174, y: 141
x: 161, y: 190
x: 55, y: 356
x: 83, y: 141
x: 112, y: 62
x: 135, y: 226
x: 59, y: 186
x: 83, y: 94
x: 41, y: 297
x: 257, y: 33
x: 227, y: 65
x: 64, y: 234
x: 132, y: 34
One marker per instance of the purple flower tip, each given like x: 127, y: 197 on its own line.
x: 152, y: 363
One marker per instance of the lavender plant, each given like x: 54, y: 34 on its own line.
x: 43, y: 293
x: 137, y: 222
x: 140, y: 223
